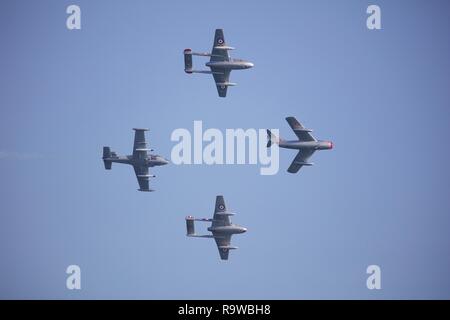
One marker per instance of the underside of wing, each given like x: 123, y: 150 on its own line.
x: 221, y: 77
x: 222, y: 245
x: 218, y: 54
x: 143, y: 177
x: 220, y: 219
x: 300, y: 160
x: 300, y: 131
x: 140, y: 145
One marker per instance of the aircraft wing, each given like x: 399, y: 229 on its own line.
x: 218, y: 218
x: 143, y: 177
x: 223, y: 242
x: 302, y: 156
x: 140, y: 145
x: 301, y: 132
x: 218, y: 54
x: 221, y: 76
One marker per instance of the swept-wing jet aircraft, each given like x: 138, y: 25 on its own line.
x: 220, y: 63
x: 221, y: 228
x: 306, y: 144
x: 141, y: 160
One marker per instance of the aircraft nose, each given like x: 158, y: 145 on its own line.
x: 244, y: 230
x: 250, y: 65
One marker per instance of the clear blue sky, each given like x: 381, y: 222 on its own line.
x: 381, y: 196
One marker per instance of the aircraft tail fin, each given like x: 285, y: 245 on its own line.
x: 106, y: 155
x: 108, y: 164
x: 188, y: 60
x: 272, y: 139
x: 106, y: 152
x: 190, y: 226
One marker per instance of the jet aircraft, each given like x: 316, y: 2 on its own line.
x: 221, y: 228
x: 306, y: 144
x: 220, y: 63
x: 140, y: 159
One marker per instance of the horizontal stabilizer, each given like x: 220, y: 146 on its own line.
x: 146, y: 190
x: 140, y: 129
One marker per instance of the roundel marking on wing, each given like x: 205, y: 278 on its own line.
x: 221, y: 207
x: 220, y: 41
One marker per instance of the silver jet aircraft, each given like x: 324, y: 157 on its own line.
x: 220, y: 63
x: 140, y: 159
x: 221, y: 228
x: 306, y: 144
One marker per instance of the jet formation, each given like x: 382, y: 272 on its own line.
x: 221, y: 65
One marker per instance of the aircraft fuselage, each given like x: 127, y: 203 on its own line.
x: 298, y: 145
x: 227, y: 230
x: 230, y: 65
x: 150, y: 161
